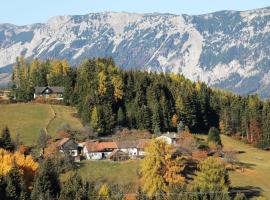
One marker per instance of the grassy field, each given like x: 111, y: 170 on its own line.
x: 257, y: 176
x: 28, y: 119
x: 124, y: 174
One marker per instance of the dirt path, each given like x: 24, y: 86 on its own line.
x: 52, y: 118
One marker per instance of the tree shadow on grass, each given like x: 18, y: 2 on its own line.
x: 249, y: 191
x: 246, y: 165
x: 241, y: 152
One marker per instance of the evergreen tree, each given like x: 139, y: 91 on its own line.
x: 214, y: 136
x: 3, y: 185
x: 94, y: 123
x: 46, y: 183
x: 156, y: 127
x: 6, y: 142
x: 120, y: 117
x: 15, y: 188
x: 74, y: 189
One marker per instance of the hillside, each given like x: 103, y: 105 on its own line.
x: 227, y: 49
x: 256, y: 178
x: 28, y: 119
x: 253, y: 181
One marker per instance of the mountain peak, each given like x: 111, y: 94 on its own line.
x: 227, y: 49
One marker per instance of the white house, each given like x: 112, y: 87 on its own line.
x: 169, y: 138
x: 129, y: 147
x: 142, y: 144
x: 98, y: 150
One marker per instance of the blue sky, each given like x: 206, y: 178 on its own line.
x: 32, y: 11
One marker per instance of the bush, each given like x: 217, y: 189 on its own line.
x: 214, y: 136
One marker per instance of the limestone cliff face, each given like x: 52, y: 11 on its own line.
x: 226, y: 49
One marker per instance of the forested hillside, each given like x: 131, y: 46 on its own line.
x: 107, y: 97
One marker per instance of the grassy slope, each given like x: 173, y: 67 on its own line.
x: 258, y: 174
x: 253, y: 179
x: 64, y: 115
x: 28, y: 119
x: 121, y: 173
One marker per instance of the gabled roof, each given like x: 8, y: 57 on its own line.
x: 62, y: 141
x: 66, y: 144
x: 143, y: 143
x: 56, y: 90
x: 100, y: 146
x: 126, y: 144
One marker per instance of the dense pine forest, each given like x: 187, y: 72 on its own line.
x: 108, y: 97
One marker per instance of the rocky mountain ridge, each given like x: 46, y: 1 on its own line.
x: 226, y: 49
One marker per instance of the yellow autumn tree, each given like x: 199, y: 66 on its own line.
x: 25, y: 164
x: 160, y: 168
x: 102, y: 87
x: 175, y: 120
x: 94, y: 118
x: 222, y: 127
x: 198, y: 86
x: 118, y: 87
x: 59, y: 67
x: 34, y: 65
x: 104, y: 193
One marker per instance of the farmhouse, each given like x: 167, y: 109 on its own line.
x: 169, y: 138
x: 114, y: 150
x: 69, y: 146
x: 129, y: 147
x: 142, y: 145
x: 98, y: 150
x: 49, y: 92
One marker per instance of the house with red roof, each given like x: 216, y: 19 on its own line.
x: 98, y: 150
x: 94, y: 150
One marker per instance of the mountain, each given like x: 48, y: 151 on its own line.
x: 226, y: 49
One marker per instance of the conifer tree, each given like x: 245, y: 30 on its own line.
x: 156, y: 126
x: 15, y: 188
x: 74, y: 189
x: 46, y: 183
x: 6, y: 142
x: 94, y: 119
x: 214, y: 136
x: 120, y: 117
x: 3, y: 185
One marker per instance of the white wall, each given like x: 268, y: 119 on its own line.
x: 165, y: 139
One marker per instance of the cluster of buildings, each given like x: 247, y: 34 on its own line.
x: 116, y: 150
x: 95, y: 150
